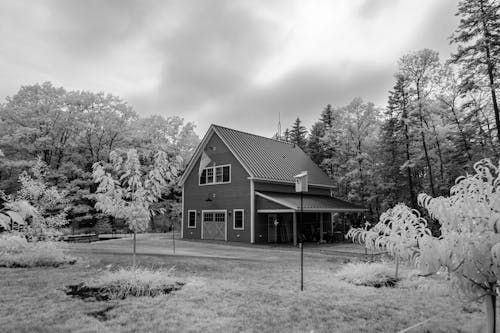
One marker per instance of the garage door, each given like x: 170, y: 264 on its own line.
x: 214, y: 225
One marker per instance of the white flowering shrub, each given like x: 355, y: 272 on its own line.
x: 16, y: 251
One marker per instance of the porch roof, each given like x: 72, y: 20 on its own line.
x: 311, y: 203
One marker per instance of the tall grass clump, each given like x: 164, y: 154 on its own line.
x: 132, y: 281
x: 16, y: 251
x: 375, y: 274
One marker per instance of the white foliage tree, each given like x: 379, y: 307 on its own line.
x: 399, y: 231
x: 127, y: 188
x: 469, y: 245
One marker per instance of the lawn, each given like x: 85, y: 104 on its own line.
x: 247, y: 293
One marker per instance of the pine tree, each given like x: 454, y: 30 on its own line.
x: 314, y: 146
x: 479, y: 50
x: 397, y: 139
x: 327, y: 116
x: 298, y: 134
x: 286, y: 135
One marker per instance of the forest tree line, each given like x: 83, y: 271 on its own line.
x: 442, y: 116
x: 69, y: 131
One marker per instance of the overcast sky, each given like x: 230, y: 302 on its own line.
x: 233, y: 63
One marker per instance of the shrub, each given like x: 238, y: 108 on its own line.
x: 16, y: 251
x: 126, y: 282
x: 102, y: 227
x: 136, y: 282
x: 368, y: 274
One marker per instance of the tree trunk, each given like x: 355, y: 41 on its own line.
x: 133, y: 255
x: 490, y: 303
x: 397, y: 267
x: 410, y: 181
x: 424, y: 145
x: 462, y: 134
x: 491, y: 70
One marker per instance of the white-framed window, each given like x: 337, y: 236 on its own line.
x: 219, y: 174
x: 191, y: 218
x: 238, y: 219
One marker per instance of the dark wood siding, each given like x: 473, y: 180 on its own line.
x: 235, y: 195
x: 276, y: 187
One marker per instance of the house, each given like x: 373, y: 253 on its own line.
x: 240, y: 187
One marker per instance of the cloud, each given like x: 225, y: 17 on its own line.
x: 229, y: 62
x: 371, y: 8
x: 92, y: 28
x: 213, y: 52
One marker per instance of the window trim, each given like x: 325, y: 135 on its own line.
x: 214, y: 211
x: 214, y: 175
x: 242, y: 219
x: 189, y: 217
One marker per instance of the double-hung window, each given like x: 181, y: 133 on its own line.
x: 220, y: 174
x: 191, y: 219
x: 238, y: 219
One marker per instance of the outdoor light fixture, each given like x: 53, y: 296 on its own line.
x: 210, y: 197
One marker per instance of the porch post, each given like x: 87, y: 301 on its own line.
x: 295, y: 228
x: 321, y: 227
x: 331, y: 222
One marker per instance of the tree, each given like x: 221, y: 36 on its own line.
x: 477, y: 37
x: 314, y: 147
x: 396, y: 130
x: 399, y: 231
x: 286, y: 135
x: 127, y: 189
x: 104, y: 122
x: 298, y: 134
x: 327, y: 117
x: 469, y: 245
x: 420, y: 68
x: 36, y: 209
x: 168, y: 134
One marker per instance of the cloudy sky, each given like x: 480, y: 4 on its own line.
x: 234, y: 63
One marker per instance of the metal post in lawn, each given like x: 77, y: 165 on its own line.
x: 301, y: 242
x: 173, y: 235
x: 301, y: 186
x: 133, y: 256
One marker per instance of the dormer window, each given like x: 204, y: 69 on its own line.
x: 220, y: 174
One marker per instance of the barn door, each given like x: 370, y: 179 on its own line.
x: 214, y: 225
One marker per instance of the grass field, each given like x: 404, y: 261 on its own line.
x: 224, y: 294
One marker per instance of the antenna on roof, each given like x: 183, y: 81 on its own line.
x: 279, y: 125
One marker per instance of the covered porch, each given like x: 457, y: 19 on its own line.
x: 325, y: 219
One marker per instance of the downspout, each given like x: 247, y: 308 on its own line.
x: 182, y: 214
x: 252, y: 211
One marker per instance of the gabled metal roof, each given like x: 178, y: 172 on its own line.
x: 269, y: 159
x: 264, y: 158
x: 311, y: 203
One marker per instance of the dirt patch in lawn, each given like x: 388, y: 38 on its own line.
x: 390, y: 282
x: 102, y: 315
x: 91, y: 293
